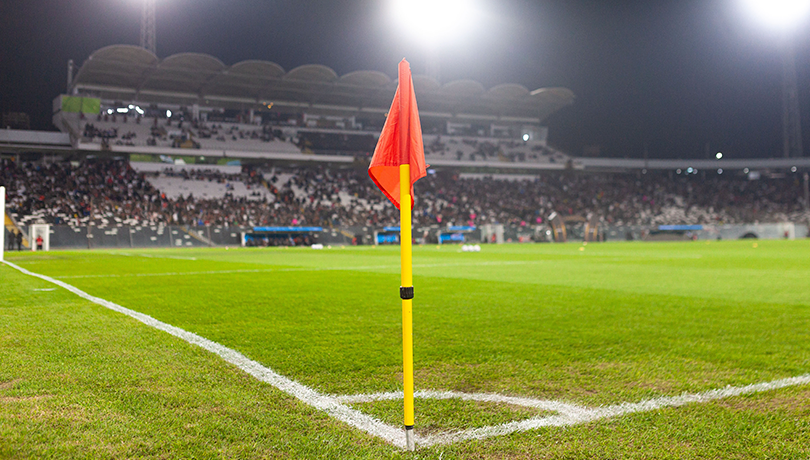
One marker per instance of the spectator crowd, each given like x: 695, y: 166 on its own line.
x: 111, y: 193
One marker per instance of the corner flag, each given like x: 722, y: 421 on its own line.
x: 398, y: 162
x: 400, y: 142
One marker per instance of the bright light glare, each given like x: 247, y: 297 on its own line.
x: 525, y: 138
x: 719, y: 155
x: 778, y: 14
x: 435, y: 22
x: 168, y: 113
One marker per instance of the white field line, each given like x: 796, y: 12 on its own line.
x: 542, y: 404
x: 336, y: 406
x: 295, y: 269
x: 328, y: 404
x: 568, y: 414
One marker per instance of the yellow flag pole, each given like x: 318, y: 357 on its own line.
x: 406, y: 293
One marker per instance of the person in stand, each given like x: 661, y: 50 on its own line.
x: 19, y: 240
x: 12, y: 237
x: 39, y: 242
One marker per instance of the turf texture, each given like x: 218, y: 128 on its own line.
x: 592, y: 325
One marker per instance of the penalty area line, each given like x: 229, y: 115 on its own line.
x: 566, y: 414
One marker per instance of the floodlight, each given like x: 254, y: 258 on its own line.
x: 435, y: 22
x: 689, y: 170
x: 719, y: 155
x: 793, y: 169
x: 525, y: 138
x: 168, y: 113
x: 778, y: 14
x: 720, y: 171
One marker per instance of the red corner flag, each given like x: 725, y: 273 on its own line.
x: 400, y: 141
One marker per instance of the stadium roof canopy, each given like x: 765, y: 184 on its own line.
x: 126, y: 73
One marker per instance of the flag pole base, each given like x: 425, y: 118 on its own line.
x: 409, y: 444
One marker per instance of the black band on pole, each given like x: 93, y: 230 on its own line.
x: 408, y: 427
x: 406, y: 293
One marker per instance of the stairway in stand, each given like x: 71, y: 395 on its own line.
x: 11, y: 226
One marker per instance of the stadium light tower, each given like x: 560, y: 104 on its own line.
x: 148, y: 40
x: 784, y: 17
x: 435, y: 24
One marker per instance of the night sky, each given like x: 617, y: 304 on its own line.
x: 671, y: 75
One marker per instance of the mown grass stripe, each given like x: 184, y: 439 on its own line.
x: 297, y: 269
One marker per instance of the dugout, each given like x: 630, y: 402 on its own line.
x: 574, y: 227
x: 592, y: 229
x: 388, y: 235
x: 674, y: 233
x: 281, y: 236
x: 560, y: 233
x: 457, y: 234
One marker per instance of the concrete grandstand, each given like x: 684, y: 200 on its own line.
x: 257, y: 110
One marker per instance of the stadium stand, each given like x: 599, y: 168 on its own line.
x: 290, y: 148
x: 104, y: 193
x: 121, y: 130
x: 208, y: 182
x: 111, y: 193
x: 469, y: 148
x: 115, y: 130
x: 125, y: 100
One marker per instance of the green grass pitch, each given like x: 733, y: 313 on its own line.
x: 591, y: 325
